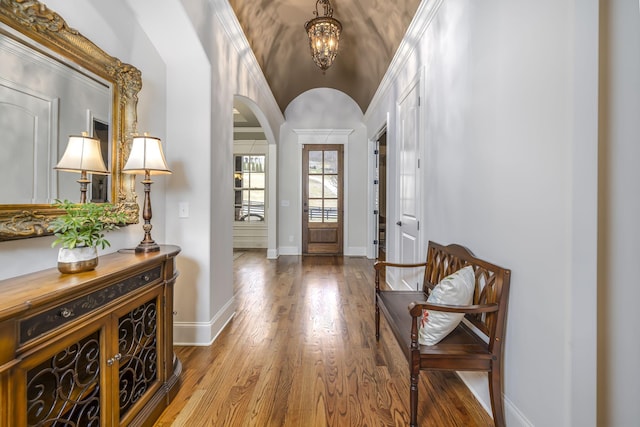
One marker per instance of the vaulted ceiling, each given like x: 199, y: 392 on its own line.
x: 371, y: 33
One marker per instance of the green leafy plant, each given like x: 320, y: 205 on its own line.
x: 85, y: 225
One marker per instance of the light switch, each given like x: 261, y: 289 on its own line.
x: 183, y: 210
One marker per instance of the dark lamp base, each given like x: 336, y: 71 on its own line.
x: 147, y: 247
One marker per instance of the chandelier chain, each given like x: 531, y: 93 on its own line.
x: 328, y: 10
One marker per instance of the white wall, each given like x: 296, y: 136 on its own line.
x: 206, y: 66
x: 619, y: 245
x: 507, y: 176
x: 112, y: 27
x: 322, y: 109
x: 187, y: 132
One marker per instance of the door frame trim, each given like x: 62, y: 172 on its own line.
x: 371, y: 187
x: 326, y: 136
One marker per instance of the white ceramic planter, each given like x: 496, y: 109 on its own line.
x: 77, y: 260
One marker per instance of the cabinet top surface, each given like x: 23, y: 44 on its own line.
x: 19, y: 294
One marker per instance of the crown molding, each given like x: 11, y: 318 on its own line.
x: 427, y: 10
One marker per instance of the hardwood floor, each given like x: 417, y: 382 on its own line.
x: 301, y: 351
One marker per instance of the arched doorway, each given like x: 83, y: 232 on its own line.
x: 255, y: 184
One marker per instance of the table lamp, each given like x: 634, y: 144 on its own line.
x: 83, y: 155
x: 146, y: 158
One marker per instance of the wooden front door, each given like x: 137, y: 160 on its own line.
x: 322, y: 199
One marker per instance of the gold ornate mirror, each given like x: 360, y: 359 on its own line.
x: 33, y: 25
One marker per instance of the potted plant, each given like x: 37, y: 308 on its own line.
x: 80, y: 231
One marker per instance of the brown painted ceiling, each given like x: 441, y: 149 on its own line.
x: 371, y: 33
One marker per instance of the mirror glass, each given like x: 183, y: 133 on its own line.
x: 42, y: 102
x: 55, y: 83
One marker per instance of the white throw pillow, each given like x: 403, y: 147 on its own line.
x: 455, y: 289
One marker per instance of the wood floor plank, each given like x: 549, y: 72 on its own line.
x: 301, y: 351
x: 188, y: 410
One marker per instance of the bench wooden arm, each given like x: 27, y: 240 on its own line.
x: 416, y: 307
x: 379, y: 265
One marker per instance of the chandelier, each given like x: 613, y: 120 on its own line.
x: 324, y: 35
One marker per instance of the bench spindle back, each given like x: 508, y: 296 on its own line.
x: 491, y: 282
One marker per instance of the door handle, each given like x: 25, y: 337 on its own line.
x: 399, y: 223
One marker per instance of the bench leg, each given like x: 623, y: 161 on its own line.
x: 377, y: 322
x: 495, y: 391
x: 414, y: 399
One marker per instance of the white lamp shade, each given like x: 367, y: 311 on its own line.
x: 146, y: 155
x: 83, y: 154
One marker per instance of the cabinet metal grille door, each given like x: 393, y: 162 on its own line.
x: 138, y: 347
x: 64, y: 390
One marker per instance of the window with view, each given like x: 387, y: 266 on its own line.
x: 249, y: 187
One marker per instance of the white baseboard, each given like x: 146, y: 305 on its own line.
x: 394, y: 281
x: 289, y: 250
x: 294, y: 250
x: 203, y: 333
x: 356, y: 251
x: 272, y: 254
x: 478, y: 384
x: 514, y: 416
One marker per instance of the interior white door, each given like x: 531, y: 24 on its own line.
x: 409, y: 194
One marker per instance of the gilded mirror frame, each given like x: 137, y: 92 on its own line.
x: 42, y: 25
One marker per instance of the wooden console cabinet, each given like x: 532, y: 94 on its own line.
x: 89, y: 349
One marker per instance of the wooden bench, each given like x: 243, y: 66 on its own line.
x: 468, y: 348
